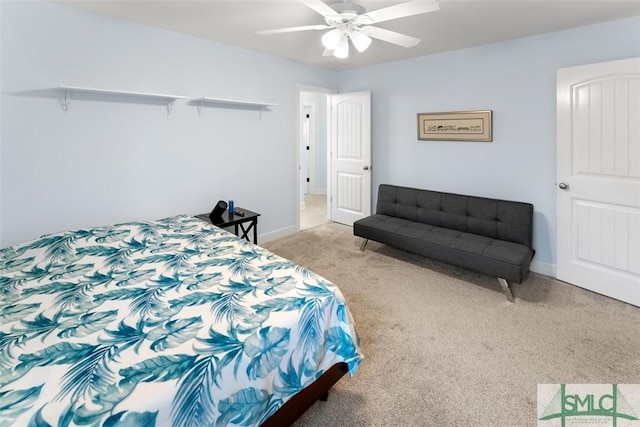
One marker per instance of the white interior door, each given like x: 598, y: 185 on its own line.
x: 598, y: 195
x: 350, y: 157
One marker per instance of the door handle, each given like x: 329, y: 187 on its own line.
x: 365, y: 168
x: 563, y: 186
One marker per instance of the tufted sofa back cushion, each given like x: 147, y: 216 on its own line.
x: 493, y: 218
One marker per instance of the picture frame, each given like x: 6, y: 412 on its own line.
x: 473, y: 125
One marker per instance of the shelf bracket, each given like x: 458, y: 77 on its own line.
x: 200, y: 105
x: 170, y: 103
x: 65, y: 101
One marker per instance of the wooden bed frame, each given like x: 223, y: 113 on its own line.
x: 298, y: 404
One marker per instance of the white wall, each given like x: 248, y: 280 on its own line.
x: 114, y: 159
x: 515, y: 79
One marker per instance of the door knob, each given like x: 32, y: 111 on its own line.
x: 365, y: 168
x: 563, y: 186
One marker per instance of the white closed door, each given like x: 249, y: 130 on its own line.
x: 598, y: 193
x: 350, y: 157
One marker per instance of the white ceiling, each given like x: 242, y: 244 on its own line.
x: 458, y: 24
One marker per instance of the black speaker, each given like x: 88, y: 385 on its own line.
x: 218, y: 210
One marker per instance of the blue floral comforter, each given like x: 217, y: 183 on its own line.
x: 171, y: 322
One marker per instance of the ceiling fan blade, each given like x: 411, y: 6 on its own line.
x: 414, y: 7
x: 292, y: 29
x: 321, y: 7
x: 390, y: 36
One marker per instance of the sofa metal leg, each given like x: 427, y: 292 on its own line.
x: 506, y: 289
x: 364, y: 244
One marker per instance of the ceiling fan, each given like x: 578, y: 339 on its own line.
x: 350, y: 21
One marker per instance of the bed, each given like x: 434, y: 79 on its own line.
x: 169, y: 322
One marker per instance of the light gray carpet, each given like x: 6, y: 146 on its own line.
x: 443, y: 346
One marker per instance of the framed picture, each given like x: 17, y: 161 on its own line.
x: 455, y: 126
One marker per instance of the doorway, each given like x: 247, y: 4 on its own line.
x: 313, y: 155
x: 334, y: 155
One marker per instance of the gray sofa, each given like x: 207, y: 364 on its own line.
x: 490, y: 236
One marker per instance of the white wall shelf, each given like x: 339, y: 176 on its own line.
x: 203, y: 101
x: 66, y: 101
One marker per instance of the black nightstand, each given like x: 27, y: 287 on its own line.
x: 250, y: 219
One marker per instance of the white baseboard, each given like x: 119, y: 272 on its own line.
x: 543, y: 268
x: 275, y: 235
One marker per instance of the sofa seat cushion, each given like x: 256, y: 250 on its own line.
x: 406, y: 234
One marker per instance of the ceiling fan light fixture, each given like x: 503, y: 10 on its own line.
x: 346, y: 21
x: 360, y: 41
x: 332, y: 39
x: 342, y: 50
